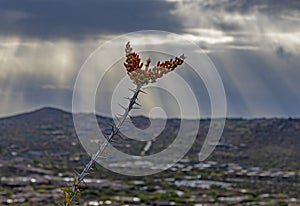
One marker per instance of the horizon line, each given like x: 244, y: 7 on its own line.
x: 36, y: 109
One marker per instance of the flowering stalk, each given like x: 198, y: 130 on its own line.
x: 140, y: 78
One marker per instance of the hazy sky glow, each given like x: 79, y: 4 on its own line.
x: 255, y: 46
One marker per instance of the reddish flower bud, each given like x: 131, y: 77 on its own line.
x: 144, y: 76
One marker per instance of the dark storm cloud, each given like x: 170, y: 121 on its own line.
x: 71, y: 19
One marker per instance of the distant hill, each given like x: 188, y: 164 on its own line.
x: 257, y: 142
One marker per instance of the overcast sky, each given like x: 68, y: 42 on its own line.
x: 255, y: 46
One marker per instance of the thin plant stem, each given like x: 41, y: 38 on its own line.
x: 74, y: 190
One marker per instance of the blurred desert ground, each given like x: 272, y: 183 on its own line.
x: 255, y: 163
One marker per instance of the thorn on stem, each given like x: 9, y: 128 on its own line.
x: 137, y: 104
x: 122, y: 106
x: 143, y: 91
x: 132, y: 90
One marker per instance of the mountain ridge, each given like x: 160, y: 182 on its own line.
x: 49, y: 109
x: 249, y: 141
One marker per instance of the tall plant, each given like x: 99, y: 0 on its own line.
x: 140, y: 76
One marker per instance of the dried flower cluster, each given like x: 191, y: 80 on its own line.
x: 145, y: 76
